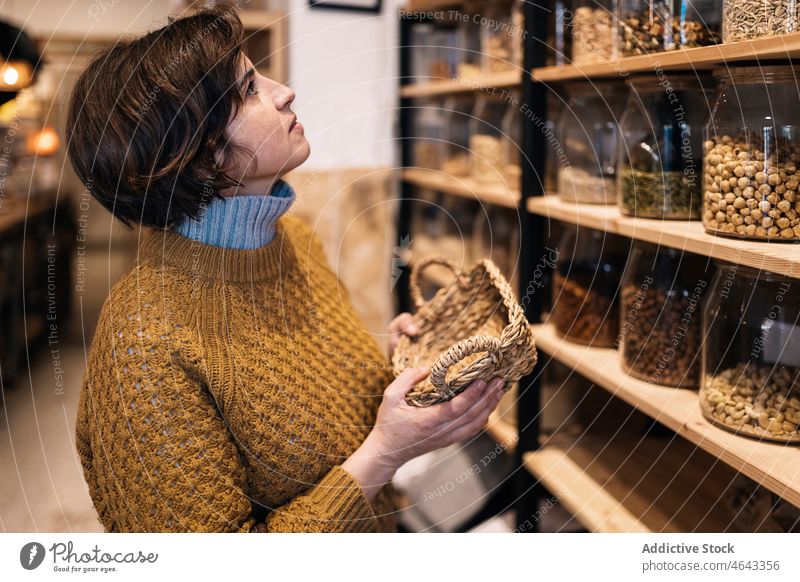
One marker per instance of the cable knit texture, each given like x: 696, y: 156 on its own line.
x: 224, y: 389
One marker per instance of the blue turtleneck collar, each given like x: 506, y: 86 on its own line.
x: 240, y: 222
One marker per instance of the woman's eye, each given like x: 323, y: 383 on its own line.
x: 251, y: 87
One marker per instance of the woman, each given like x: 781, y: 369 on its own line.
x: 230, y: 386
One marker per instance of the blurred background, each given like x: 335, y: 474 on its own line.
x: 416, y: 111
x: 61, y: 252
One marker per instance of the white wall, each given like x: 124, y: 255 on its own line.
x: 343, y: 66
x: 86, y: 16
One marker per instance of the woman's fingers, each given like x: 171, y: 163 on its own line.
x: 406, y: 381
x: 484, y: 407
x: 468, y: 430
x: 467, y: 400
x: 404, y: 323
x: 477, y: 423
x: 459, y: 405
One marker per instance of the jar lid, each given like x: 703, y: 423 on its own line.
x: 757, y: 73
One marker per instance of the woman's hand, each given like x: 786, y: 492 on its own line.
x: 403, y: 324
x: 403, y: 432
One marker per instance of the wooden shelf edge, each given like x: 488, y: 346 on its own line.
x: 464, y: 187
x: 482, y: 82
x: 779, y: 47
x: 16, y: 212
x: 635, y: 483
x: 590, y: 504
x: 503, y: 433
x: 777, y: 257
x: 775, y: 466
x: 261, y: 19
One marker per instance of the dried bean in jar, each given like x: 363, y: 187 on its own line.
x: 592, y: 35
x: 758, y: 401
x: 746, y: 19
x: 749, y: 194
x: 658, y: 195
x: 584, y: 315
x: 660, y: 335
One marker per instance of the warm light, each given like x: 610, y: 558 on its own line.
x: 15, y: 75
x: 44, y: 142
x: 10, y: 75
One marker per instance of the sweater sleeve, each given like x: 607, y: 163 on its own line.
x: 336, y: 504
x: 159, y: 457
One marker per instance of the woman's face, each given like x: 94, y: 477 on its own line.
x: 267, y: 127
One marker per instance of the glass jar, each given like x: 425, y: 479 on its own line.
x: 745, y: 19
x: 554, y: 155
x: 518, y: 33
x: 427, y: 225
x: 594, y: 34
x: 512, y: 143
x: 428, y: 135
x: 443, y: 46
x: 468, y: 40
x: 751, y: 354
x: 497, y: 38
x: 648, y: 26
x: 457, y: 117
x: 457, y: 214
x: 697, y: 23
x: 645, y: 26
x: 660, y: 315
x: 559, y: 39
x: 752, y: 149
x: 589, y: 132
x: 585, y: 286
x: 660, y: 157
x: 495, y: 235
x: 421, y: 52
x: 486, y: 138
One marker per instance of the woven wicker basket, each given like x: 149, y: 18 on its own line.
x: 473, y: 329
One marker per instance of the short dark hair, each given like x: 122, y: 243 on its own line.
x: 146, y: 117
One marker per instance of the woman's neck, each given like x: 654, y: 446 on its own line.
x: 240, y: 222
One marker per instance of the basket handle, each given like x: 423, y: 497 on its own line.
x: 416, y: 271
x: 464, y: 348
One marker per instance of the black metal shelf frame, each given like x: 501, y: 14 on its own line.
x: 526, y: 492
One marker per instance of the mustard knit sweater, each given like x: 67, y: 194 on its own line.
x: 224, y: 389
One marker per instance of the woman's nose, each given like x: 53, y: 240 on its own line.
x: 285, y: 96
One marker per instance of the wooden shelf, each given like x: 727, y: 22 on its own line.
x: 266, y: 32
x: 419, y: 5
x: 464, y: 187
x: 482, y: 82
x: 690, y: 236
x: 775, y: 466
x: 15, y: 212
x: 635, y: 485
x: 502, y: 432
x: 709, y: 57
x: 260, y: 19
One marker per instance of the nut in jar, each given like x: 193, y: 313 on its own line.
x: 751, y: 154
x: 751, y: 353
x: 749, y: 192
x: 593, y: 32
x: 758, y: 401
